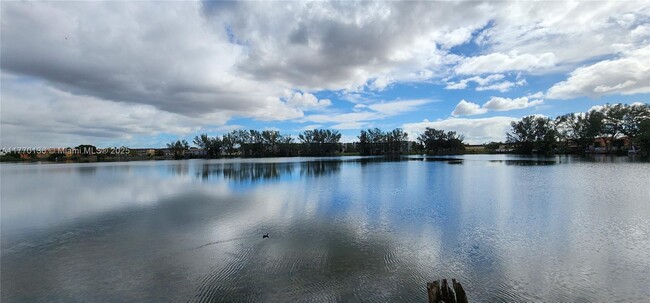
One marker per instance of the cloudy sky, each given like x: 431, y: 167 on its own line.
x: 145, y: 73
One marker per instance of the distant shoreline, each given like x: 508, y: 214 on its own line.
x: 154, y: 159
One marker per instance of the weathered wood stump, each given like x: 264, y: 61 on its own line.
x: 440, y: 292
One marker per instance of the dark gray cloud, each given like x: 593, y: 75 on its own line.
x: 176, y: 66
x: 158, y: 54
x: 334, y: 45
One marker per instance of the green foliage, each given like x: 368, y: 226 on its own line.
x: 375, y: 142
x: 633, y: 119
x: 643, y: 137
x: 577, y: 131
x: 178, y: 148
x: 493, y: 146
x: 532, y: 134
x: 437, y: 140
x: 319, y: 142
x: 212, y: 145
x: 247, y: 143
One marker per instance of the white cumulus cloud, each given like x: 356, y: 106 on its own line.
x: 502, y: 86
x: 365, y: 114
x: 468, y: 108
x: 476, y: 131
x: 462, y: 84
x: 306, y: 101
x: 399, y: 106
x: 629, y: 74
x: 500, y: 62
x: 495, y: 104
x: 505, y: 104
x: 199, y: 64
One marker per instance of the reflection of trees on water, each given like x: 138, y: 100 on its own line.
x: 251, y: 171
x: 179, y: 169
x: 525, y: 162
x: 319, y: 168
x: 613, y: 159
x: 265, y: 171
x: 255, y: 171
x: 245, y: 171
x: 87, y: 170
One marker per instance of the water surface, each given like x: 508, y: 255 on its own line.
x: 341, y: 229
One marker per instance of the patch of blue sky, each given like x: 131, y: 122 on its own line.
x: 471, y: 47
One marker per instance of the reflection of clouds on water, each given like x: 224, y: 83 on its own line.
x: 141, y: 252
x: 64, y: 194
x: 340, y: 231
x: 314, y: 259
x: 563, y: 226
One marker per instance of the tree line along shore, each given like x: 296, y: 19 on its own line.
x: 612, y: 129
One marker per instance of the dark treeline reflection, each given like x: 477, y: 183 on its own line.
x: 342, y: 229
x: 319, y: 168
x: 265, y: 171
x: 252, y: 171
x: 525, y: 162
x: 179, y: 169
x: 245, y: 171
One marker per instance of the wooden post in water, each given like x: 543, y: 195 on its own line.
x: 440, y: 292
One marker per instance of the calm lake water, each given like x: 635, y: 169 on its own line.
x: 342, y: 229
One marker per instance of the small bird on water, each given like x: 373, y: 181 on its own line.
x: 265, y: 236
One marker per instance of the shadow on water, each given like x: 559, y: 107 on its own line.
x: 525, y: 162
x: 319, y: 168
x: 254, y: 172
x: 179, y: 168
x: 251, y: 172
x: 448, y: 160
x: 87, y: 170
x: 264, y: 171
x: 600, y: 158
x: 324, y: 261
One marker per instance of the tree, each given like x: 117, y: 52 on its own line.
x: 532, y: 134
x: 396, y: 139
x: 431, y: 138
x: 643, y: 137
x: 493, y: 146
x: 212, y: 145
x: 178, y: 148
x: 375, y: 142
x: 364, y: 143
x: 241, y: 141
x: 635, y: 115
x: 286, y: 144
x: 319, y: 142
x: 579, y: 128
x: 437, y: 140
x: 271, y: 140
x: 256, y: 143
x: 228, y: 144
x: 614, y: 116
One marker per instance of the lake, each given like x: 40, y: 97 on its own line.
x: 561, y: 229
